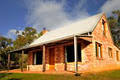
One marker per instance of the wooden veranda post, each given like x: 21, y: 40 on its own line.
x: 8, y: 62
x: 22, y: 59
x: 43, y: 58
x: 75, y: 54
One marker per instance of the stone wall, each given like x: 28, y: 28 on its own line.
x: 37, y: 67
x: 106, y: 62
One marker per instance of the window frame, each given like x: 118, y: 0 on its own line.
x: 98, y: 55
x: 103, y: 27
x: 117, y: 55
x: 110, y: 52
x: 80, y: 53
x: 35, y: 57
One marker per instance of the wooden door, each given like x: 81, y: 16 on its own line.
x: 52, y: 58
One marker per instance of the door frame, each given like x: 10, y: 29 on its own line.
x: 52, y: 65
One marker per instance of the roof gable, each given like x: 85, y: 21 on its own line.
x: 108, y: 30
x: 98, y: 31
x: 76, y: 28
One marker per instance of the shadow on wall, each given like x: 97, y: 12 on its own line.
x: 85, y: 44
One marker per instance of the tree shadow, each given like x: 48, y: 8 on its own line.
x: 4, y: 74
x: 15, y: 79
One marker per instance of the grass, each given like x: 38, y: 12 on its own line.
x: 107, y: 75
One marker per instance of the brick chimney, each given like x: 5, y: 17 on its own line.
x: 44, y: 31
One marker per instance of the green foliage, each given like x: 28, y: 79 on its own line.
x: 25, y: 60
x: 20, y: 42
x: 30, y: 34
x: 40, y: 34
x: 117, y: 13
x: 5, y: 46
x: 114, y: 23
x: 27, y: 36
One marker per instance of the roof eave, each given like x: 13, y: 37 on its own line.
x: 69, y: 37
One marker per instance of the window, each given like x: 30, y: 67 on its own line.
x: 110, y: 52
x: 37, y: 58
x: 70, y: 53
x: 117, y: 55
x: 98, y: 50
x: 103, y: 27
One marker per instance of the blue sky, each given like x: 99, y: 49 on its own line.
x: 18, y: 14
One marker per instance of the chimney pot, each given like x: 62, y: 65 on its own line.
x: 44, y: 28
x: 44, y: 31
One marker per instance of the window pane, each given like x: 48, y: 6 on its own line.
x: 34, y: 58
x: 117, y: 55
x: 70, y: 53
x: 79, y: 53
x: 39, y: 57
x: 110, y: 52
x: 98, y: 50
x: 103, y: 26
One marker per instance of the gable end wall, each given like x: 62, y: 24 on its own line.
x: 106, y: 63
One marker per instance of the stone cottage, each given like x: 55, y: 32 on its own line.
x: 82, y: 46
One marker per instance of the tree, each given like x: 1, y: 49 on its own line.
x: 20, y: 42
x: 117, y: 13
x: 27, y: 36
x: 30, y: 34
x: 5, y: 46
x: 114, y: 23
x: 40, y: 34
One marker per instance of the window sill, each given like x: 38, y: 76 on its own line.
x: 37, y: 64
x: 110, y: 57
x: 99, y: 58
x: 105, y: 35
x: 73, y: 62
x: 70, y: 62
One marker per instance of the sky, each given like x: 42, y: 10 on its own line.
x: 51, y: 14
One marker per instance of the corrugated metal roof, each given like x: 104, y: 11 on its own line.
x: 76, y: 28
